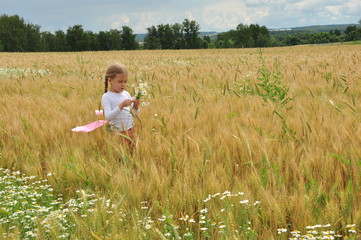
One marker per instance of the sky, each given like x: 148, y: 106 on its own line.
x: 211, y: 15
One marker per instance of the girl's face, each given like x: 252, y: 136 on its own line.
x: 118, y: 83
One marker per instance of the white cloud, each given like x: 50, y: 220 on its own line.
x: 228, y: 14
x: 121, y: 21
x: 342, y: 10
x: 138, y: 21
x: 143, y: 20
x: 299, y: 8
x: 333, y: 11
x: 190, y: 16
x: 258, y: 3
x: 302, y: 20
x: 353, y: 7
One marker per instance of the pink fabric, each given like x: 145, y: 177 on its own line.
x: 90, y: 127
x: 99, y: 112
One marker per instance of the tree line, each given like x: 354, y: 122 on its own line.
x: 18, y: 36
x: 351, y: 33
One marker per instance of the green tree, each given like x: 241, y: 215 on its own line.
x: 166, y: 36
x: 212, y: 46
x: 252, y: 36
x: 77, y: 39
x: 12, y: 33
x: 207, y: 38
x: 292, y: 40
x: 128, y: 39
x: 61, y: 44
x: 244, y: 37
x: 177, y: 30
x: 352, y: 33
x: 262, y: 40
x: 94, y: 44
x: 191, y: 32
x: 33, y: 38
x: 110, y: 40
x: 18, y: 36
x: 103, y: 41
x: 226, y: 39
x: 255, y: 30
x: 263, y: 37
x: 151, y: 40
x: 48, y: 42
x: 350, y: 29
x: 274, y: 42
x: 319, y: 38
x: 336, y: 32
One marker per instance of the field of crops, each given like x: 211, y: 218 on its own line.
x: 235, y: 144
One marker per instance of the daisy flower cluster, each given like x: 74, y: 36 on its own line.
x: 30, y: 210
x: 243, y: 87
x: 211, y: 221
x: 6, y: 71
x: 140, y: 91
x: 320, y: 232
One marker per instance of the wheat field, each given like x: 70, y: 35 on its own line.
x: 206, y: 133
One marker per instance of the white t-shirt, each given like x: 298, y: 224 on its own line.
x: 122, y: 119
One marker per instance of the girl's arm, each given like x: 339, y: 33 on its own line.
x: 109, y: 114
x: 136, y: 104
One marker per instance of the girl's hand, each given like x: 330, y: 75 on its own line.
x: 136, y: 103
x: 125, y: 103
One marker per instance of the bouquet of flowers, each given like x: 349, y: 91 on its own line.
x: 140, y: 91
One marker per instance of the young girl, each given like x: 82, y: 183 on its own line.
x: 117, y: 103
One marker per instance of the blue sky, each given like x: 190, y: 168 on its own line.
x: 211, y: 15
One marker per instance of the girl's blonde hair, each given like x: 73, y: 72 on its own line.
x: 112, y: 70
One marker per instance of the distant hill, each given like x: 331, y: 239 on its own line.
x: 312, y: 29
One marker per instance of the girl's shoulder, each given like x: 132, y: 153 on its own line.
x: 108, y: 96
x: 126, y: 93
x: 105, y: 95
x: 123, y: 94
